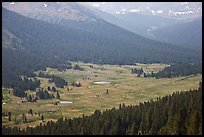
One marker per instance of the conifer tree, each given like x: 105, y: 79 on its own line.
x: 58, y: 95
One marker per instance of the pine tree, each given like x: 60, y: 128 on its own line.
x: 24, y: 119
x: 9, y: 117
x: 131, y: 129
x: 48, y: 88
x: 193, y: 124
x: 15, y: 120
x: 58, y: 95
x: 177, y: 124
x: 42, y: 118
x: 30, y: 111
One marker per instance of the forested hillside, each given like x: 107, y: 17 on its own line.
x: 30, y: 45
x: 176, y: 114
x: 177, y: 70
x: 98, y: 42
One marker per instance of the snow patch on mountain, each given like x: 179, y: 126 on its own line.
x: 160, y: 11
x: 134, y: 10
x: 44, y: 5
x: 123, y: 10
x: 175, y: 13
x: 96, y: 5
x: 151, y: 29
x: 190, y: 12
x: 187, y: 7
x: 153, y: 12
x: 117, y: 12
x: 184, y: 3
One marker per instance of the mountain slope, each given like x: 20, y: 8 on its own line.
x: 184, y: 34
x: 103, y: 43
x: 9, y: 40
x: 181, y: 32
x: 141, y: 24
x: 47, y: 11
x: 92, y: 20
x: 134, y: 22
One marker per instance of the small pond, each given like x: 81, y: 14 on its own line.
x: 102, y: 83
x: 66, y: 102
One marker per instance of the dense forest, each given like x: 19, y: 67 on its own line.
x: 177, y: 70
x: 18, y: 63
x: 25, y: 84
x: 176, y: 114
x: 44, y: 94
x: 59, y: 82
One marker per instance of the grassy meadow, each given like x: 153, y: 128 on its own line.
x: 124, y: 88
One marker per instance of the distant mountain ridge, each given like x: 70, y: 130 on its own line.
x: 157, y: 26
x: 97, y: 37
x: 185, y: 34
x: 176, y: 10
x: 84, y: 16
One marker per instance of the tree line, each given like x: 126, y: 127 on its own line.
x: 25, y: 84
x: 17, y: 64
x: 59, y: 82
x: 177, y: 114
x: 43, y: 94
x: 176, y: 70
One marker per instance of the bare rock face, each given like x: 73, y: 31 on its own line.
x: 53, y: 12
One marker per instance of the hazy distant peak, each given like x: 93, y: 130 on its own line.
x: 179, y: 10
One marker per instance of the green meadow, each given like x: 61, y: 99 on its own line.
x: 124, y: 87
